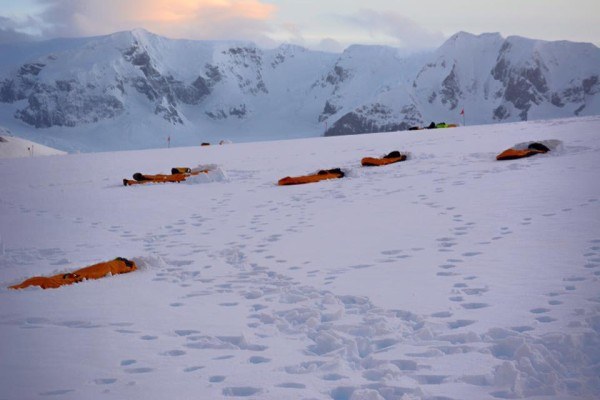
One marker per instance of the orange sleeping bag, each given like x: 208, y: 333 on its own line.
x: 391, y: 158
x: 115, y: 267
x: 178, y: 174
x: 45, y: 282
x: 532, y: 149
x: 319, y: 176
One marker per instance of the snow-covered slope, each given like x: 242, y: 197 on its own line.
x: 13, y: 147
x: 448, y: 276
x: 132, y: 90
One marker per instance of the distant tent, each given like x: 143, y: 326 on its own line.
x: 392, y: 157
x: 114, y: 267
x: 439, y: 125
x: 334, y: 173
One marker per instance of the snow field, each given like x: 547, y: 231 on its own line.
x: 448, y: 276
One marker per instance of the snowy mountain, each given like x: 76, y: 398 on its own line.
x: 14, y: 147
x: 447, y: 276
x: 134, y: 89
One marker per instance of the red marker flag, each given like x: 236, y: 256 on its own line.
x: 462, y: 112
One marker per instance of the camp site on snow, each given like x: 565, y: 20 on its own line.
x: 433, y: 125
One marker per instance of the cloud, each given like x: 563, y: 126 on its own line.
x: 293, y: 33
x: 396, y: 26
x: 194, y: 19
x: 10, y: 31
x: 330, y: 45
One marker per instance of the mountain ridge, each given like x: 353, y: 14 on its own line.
x: 133, y: 89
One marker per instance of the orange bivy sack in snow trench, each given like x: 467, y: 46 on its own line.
x: 117, y: 266
x: 532, y: 149
x: 391, y: 158
x: 178, y: 174
x: 319, y: 176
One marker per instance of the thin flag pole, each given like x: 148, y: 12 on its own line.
x: 462, y: 112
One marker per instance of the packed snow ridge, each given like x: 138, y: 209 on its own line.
x: 447, y: 276
x: 13, y: 147
x: 133, y: 90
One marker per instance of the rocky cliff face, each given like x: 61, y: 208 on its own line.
x: 59, y: 103
x: 509, y: 79
x: 134, y: 76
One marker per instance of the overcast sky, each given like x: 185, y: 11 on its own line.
x: 322, y: 24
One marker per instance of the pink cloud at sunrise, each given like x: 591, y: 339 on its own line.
x: 194, y: 19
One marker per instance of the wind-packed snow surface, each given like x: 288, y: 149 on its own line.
x: 448, y: 276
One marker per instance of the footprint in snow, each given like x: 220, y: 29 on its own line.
x: 447, y: 266
x: 57, y: 392
x: 474, y: 291
x: 474, y: 306
x: 241, y: 391
x: 447, y: 273
x: 141, y: 370
x: 291, y: 385
x: 574, y: 279
x: 258, y: 360
x: 545, y: 319
x: 460, y: 323
x: 442, y: 314
x: 105, y: 381
x: 194, y: 368
x: 174, y: 353
x: 126, y: 331
x: 539, y: 310
x: 471, y: 253
x: 521, y: 329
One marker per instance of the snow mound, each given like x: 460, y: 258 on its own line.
x: 215, y: 174
x: 14, y: 147
x: 151, y: 262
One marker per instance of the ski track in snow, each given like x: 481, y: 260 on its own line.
x: 297, y: 333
